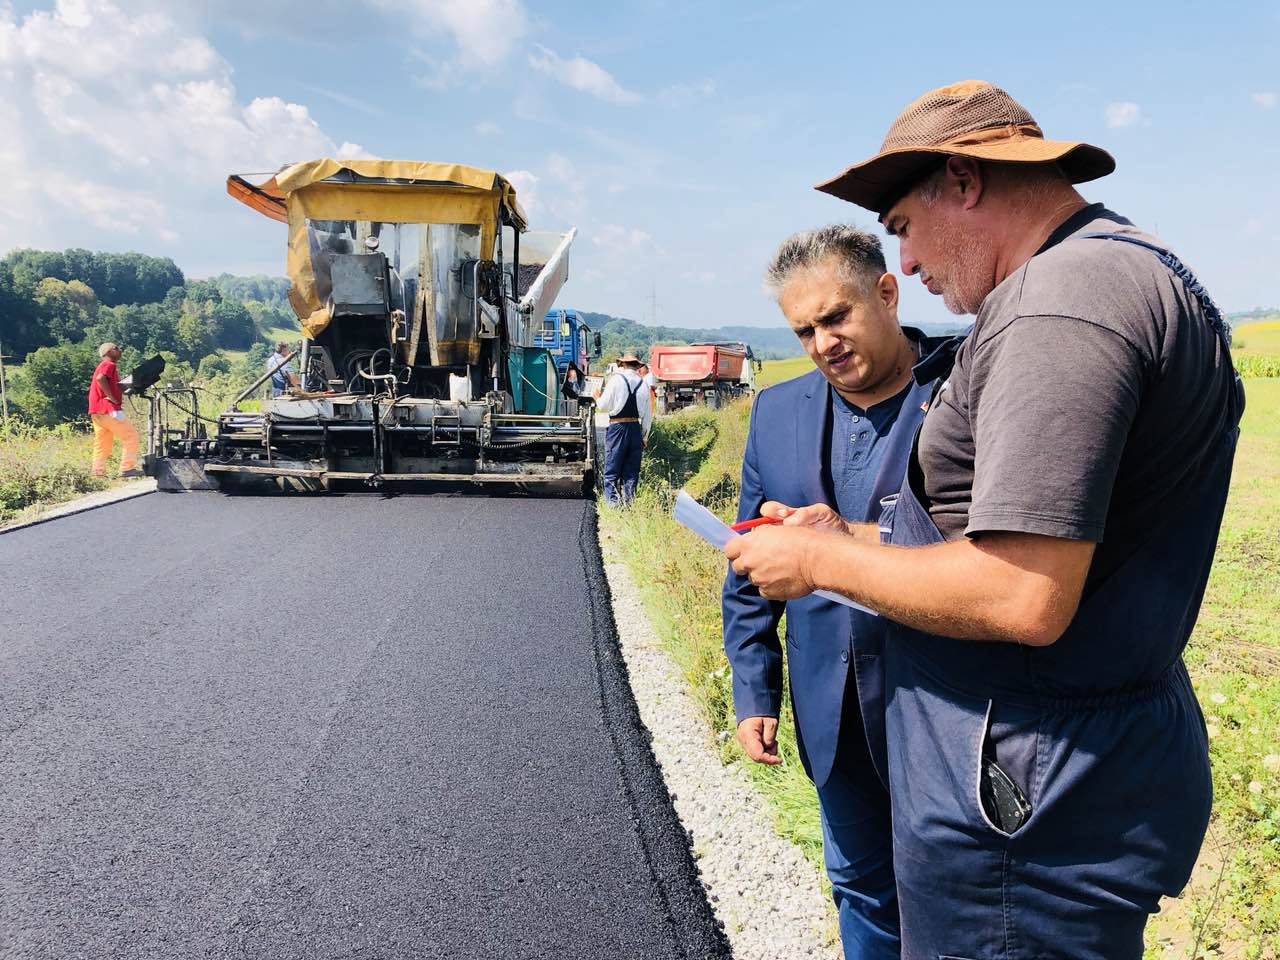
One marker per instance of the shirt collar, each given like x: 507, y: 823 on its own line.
x: 937, y: 355
x: 1077, y: 221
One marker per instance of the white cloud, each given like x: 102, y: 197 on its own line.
x: 1267, y: 99
x: 487, y: 128
x: 479, y: 34
x: 526, y: 185
x: 554, y: 197
x: 619, y: 240
x: 679, y: 94
x: 1122, y: 113
x: 484, y: 31
x: 581, y: 74
x: 119, y: 118
x: 704, y: 277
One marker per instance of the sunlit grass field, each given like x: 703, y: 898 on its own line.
x: 1260, y: 337
x: 1232, y: 906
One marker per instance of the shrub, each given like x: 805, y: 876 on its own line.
x: 1258, y: 366
x: 55, y: 383
x: 44, y: 466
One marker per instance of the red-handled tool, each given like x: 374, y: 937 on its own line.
x: 752, y: 524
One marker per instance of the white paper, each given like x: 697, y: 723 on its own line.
x: 693, y: 515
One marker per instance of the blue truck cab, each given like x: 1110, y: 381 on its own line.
x: 568, y: 338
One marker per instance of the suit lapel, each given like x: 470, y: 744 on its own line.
x: 813, y: 419
x: 901, y: 440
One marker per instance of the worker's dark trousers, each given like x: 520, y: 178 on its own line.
x: 1102, y: 733
x: 623, y: 445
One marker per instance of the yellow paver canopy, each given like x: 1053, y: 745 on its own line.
x: 374, y: 191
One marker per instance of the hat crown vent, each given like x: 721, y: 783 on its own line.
x: 948, y: 113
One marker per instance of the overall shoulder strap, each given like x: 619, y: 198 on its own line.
x: 1197, y: 290
x: 1178, y: 268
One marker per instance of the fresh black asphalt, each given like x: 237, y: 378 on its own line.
x: 341, y: 726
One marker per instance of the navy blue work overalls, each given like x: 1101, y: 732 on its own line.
x: 1103, y: 727
x: 623, y: 445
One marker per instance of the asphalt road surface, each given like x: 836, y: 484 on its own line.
x: 343, y: 726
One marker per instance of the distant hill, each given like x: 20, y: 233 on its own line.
x: 619, y: 334
x: 1257, y: 313
x: 767, y: 343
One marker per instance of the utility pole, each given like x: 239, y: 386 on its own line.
x: 4, y: 390
x: 653, y: 304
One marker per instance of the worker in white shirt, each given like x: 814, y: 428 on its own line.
x: 625, y: 398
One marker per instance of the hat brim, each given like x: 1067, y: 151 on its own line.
x: 875, y: 182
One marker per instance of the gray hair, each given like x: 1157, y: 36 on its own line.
x: 858, y: 255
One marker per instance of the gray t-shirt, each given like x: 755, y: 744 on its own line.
x: 1083, y: 401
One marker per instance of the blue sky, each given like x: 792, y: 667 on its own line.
x: 682, y: 139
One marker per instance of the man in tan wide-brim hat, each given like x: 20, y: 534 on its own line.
x: 1046, y: 556
x: 967, y: 119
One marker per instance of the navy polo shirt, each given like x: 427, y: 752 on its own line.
x: 857, y: 442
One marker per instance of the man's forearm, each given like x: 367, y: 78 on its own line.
x: 1001, y: 589
x: 108, y: 394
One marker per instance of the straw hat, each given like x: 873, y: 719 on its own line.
x: 629, y: 358
x: 972, y: 118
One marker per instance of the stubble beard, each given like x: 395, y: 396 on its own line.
x: 966, y: 279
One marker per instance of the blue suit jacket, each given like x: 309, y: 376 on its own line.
x: 785, y: 461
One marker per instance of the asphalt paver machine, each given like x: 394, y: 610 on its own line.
x: 420, y: 293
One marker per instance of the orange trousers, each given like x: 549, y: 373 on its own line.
x: 106, y: 431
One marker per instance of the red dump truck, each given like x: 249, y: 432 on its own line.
x: 707, y: 373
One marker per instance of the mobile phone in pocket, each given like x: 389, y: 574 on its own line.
x: 1003, y: 801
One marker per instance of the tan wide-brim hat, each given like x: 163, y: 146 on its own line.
x: 972, y: 118
x: 629, y: 358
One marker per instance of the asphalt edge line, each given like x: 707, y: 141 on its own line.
x: 61, y: 510
x: 696, y: 930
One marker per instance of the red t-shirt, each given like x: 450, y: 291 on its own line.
x: 100, y: 402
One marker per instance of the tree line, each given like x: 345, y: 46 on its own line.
x: 57, y: 306
x: 618, y: 335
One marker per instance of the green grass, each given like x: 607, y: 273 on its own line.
x: 1232, y: 906
x: 289, y: 334
x: 43, y: 467
x: 1233, y: 902
x: 775, y: 371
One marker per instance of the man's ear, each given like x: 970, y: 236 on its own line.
x: 887, y: 290
x: 966, y: 176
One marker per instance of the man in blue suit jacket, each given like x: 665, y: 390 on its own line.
x: 838, y: 438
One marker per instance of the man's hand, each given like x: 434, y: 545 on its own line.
x: 759, y: 739
x: 776, y: 559
x: 816, y: 515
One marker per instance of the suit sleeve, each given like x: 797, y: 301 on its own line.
x: 750, y: 620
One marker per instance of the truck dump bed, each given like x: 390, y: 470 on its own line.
x: 696, y: 363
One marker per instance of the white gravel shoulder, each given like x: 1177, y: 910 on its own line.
x: 761, y: 887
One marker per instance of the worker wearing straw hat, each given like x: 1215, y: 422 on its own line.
x: 625, y: 399
x: 106, y: 411
x: 1046, y: 556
